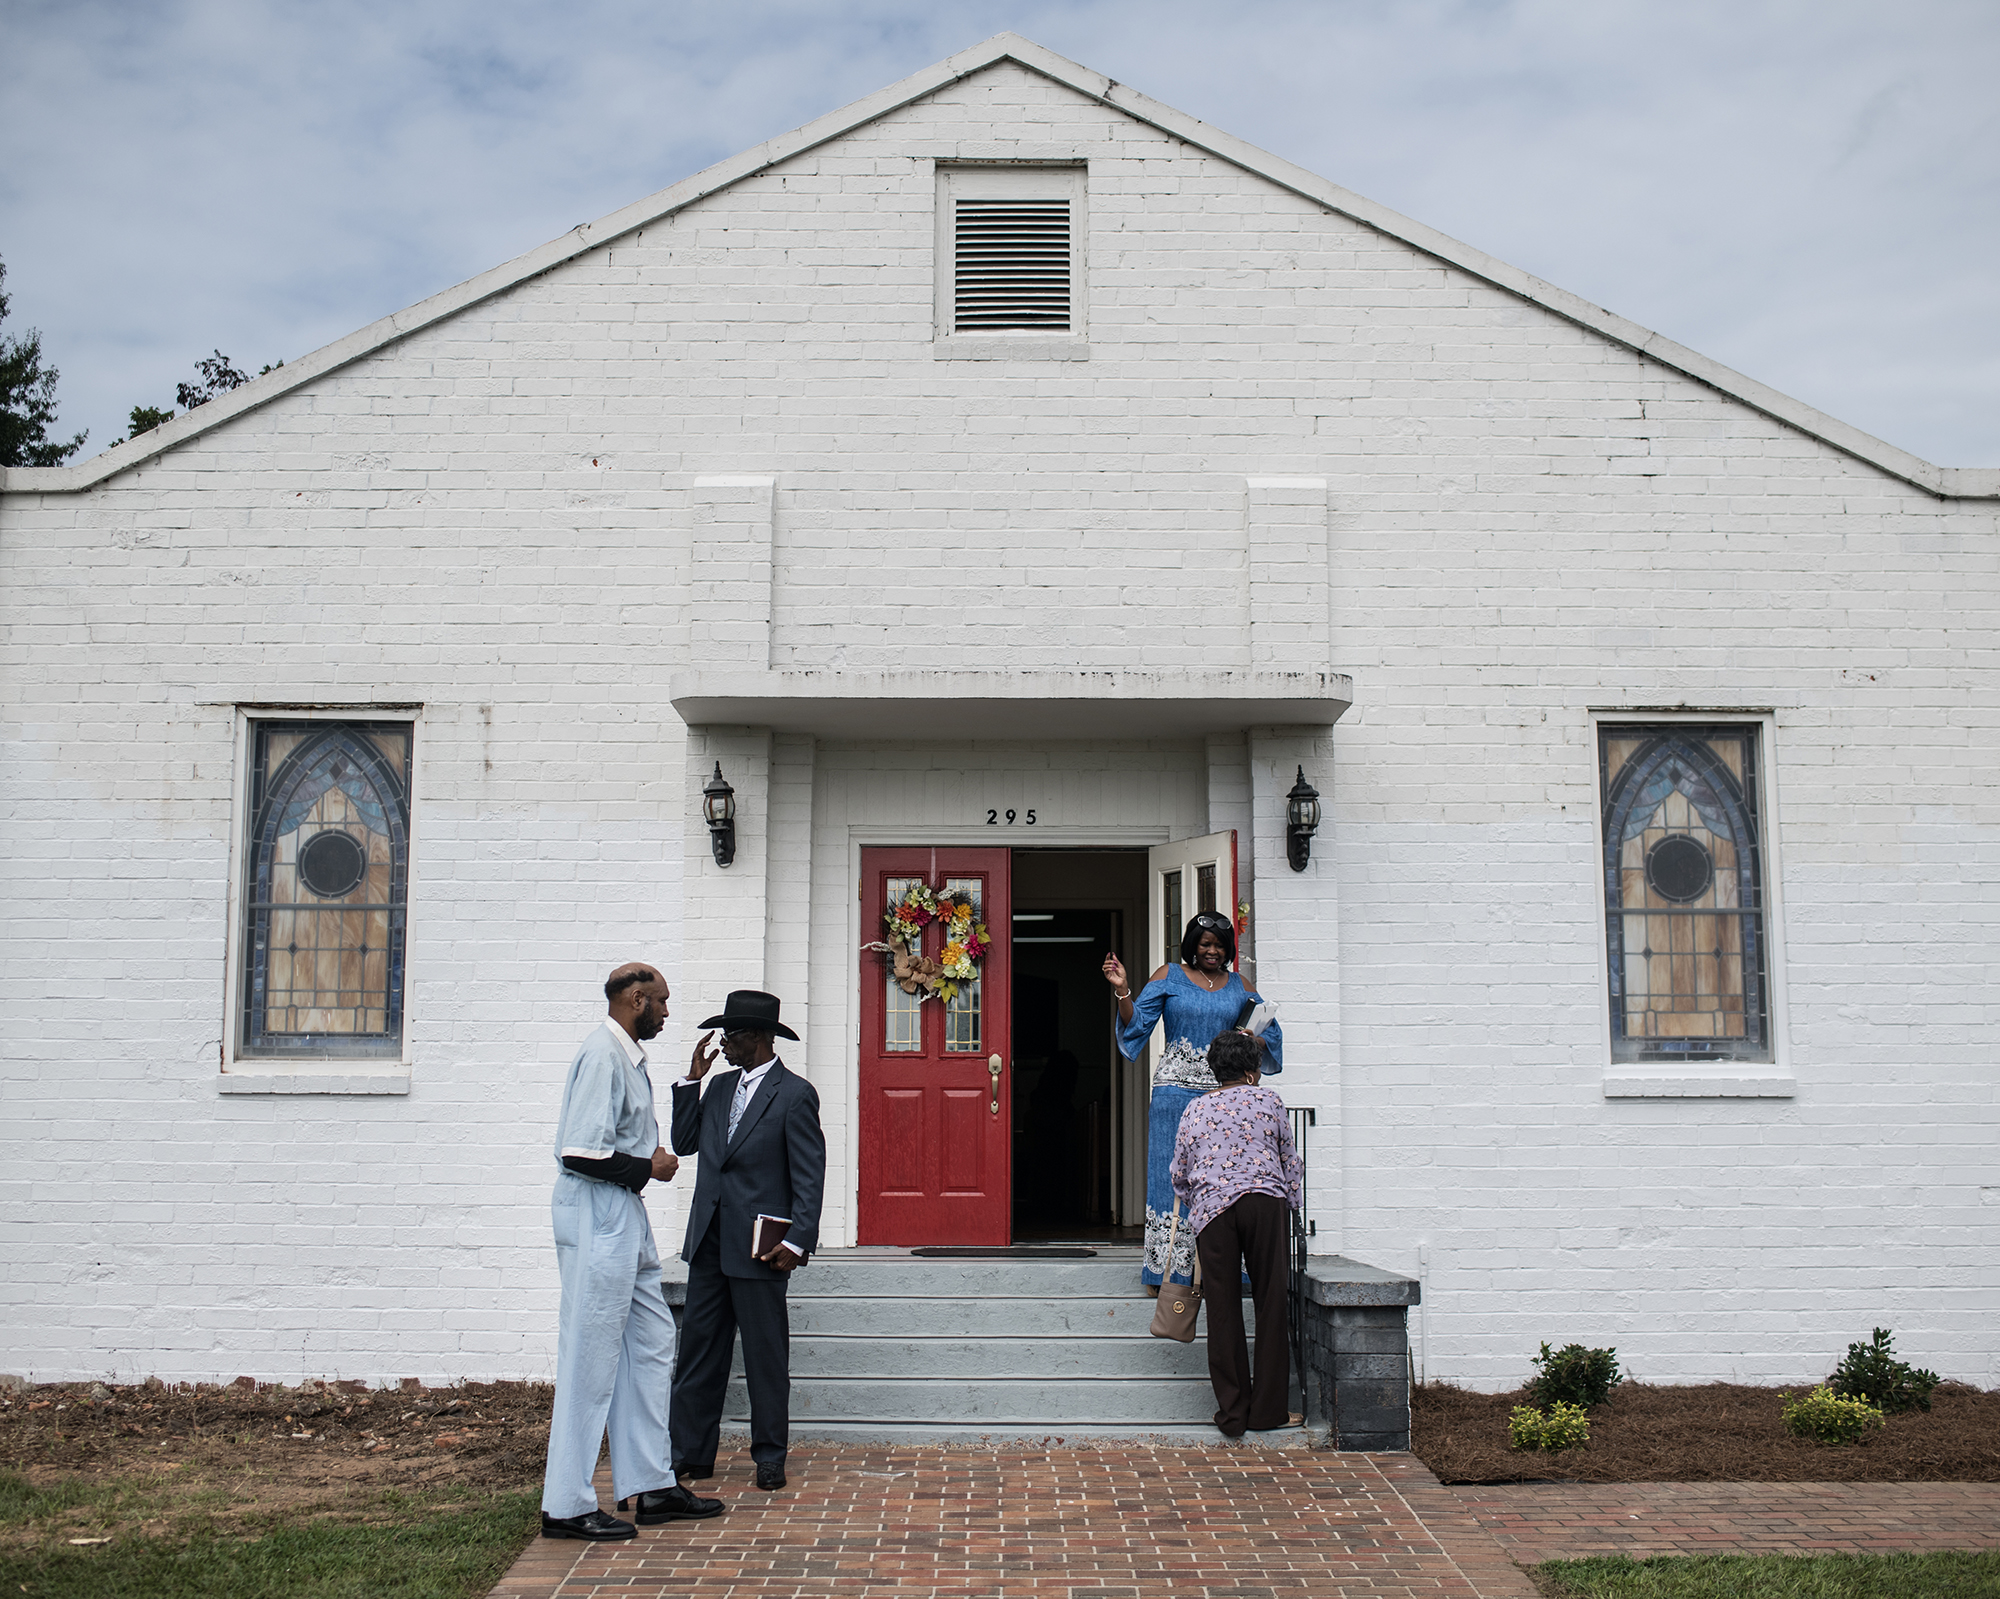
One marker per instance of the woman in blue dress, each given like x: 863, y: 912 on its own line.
x: 1197, y: 998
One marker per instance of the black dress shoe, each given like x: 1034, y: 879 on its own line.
x: 658, y: 1505
x: 769, y: 1477
x: 593, y: 1525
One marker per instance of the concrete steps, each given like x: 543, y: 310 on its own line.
x: 984, y: 1316
x: 1012, y: 1358
x: 890, y: 1347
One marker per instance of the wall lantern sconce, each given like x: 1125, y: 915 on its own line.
x: 718, y: 809
x: 1301, y: 821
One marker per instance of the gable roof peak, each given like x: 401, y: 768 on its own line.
x: 1944, y: 482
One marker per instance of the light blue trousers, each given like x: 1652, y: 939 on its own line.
x: 615, y: 1349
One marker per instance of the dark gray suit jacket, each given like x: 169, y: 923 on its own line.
x: 776, y: 1164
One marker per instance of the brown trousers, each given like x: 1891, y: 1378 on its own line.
x: 1251, y: 1235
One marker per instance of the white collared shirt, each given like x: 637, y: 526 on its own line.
x: 754, y: 1077
x: 748, y: 1083
x: 634, y: 1052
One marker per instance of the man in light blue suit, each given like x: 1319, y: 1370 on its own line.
x: 615, y: 1350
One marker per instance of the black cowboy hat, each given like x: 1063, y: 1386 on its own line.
x: 749, y: 1011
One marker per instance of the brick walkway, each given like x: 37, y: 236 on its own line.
x: 1075, y: 1523
x: 1686, y: 1518
x: 1205, y: 1524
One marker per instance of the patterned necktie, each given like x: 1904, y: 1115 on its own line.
x: 739, y: 1104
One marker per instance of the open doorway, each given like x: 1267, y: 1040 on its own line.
x: 1078, y: 1106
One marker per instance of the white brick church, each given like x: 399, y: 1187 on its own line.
x: 1013, y: 486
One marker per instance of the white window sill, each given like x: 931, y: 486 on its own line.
x: 1749, y: 1083
x: 1024, y: 347
x: 253, y: 1079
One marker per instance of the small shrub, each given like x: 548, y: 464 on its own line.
x: 1574, y: 1375
x: 1828, y: 1418
x: 1564, y: 1427
x: 1872, y: 1372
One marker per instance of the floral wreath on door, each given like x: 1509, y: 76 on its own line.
x: 966, y: 942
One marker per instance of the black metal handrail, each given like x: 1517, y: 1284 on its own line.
x: 1303, y: 1116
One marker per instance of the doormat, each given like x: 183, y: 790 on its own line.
x: 1001, y: 1252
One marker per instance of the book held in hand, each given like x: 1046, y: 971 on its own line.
x: 768, y: 1232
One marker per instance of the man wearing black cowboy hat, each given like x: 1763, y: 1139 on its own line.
x: 757, y: 1131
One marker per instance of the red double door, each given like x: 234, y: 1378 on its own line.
x: 936, y: 1075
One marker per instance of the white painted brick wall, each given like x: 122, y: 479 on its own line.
x: 497, y: 518
x: 1286, y: 599
x: 729, y: 593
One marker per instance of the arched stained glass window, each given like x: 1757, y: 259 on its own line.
x: 1684, y: 893
x: 326, y: 900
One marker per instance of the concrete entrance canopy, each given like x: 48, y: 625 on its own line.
x: 1142, y: 703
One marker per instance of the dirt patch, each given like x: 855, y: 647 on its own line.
x: 231, y: 1456
x: 1707, y: 1432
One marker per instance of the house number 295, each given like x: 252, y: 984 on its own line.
x: 993, y: 818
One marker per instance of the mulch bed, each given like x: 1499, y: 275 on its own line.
x: 272, y: 1446
x: 258, y: 1448
x: 1706, y: 1432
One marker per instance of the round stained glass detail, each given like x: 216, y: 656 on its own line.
x: 332, y: 864
x: 1679, y: 868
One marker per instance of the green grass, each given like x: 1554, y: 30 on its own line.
x: 21, y: 1502
x: 1936, y: 1576
x: 424, y: 1552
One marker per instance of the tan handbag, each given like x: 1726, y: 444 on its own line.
x: 1174, y: 1312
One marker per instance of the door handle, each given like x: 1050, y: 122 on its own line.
x: 993, y: 1067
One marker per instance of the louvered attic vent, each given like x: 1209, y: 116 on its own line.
x: 1011, y: 267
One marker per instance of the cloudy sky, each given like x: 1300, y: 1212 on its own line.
x: 1806, y: 190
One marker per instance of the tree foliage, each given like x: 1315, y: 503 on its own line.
x: 28, y: 401
x: 218, y: 376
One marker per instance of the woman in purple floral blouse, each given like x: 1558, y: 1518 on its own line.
x: 1239, y: 1176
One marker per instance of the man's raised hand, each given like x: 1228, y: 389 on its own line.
x: 704, y: 1057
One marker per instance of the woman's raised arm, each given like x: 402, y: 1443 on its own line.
x: 1138, y: 1016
